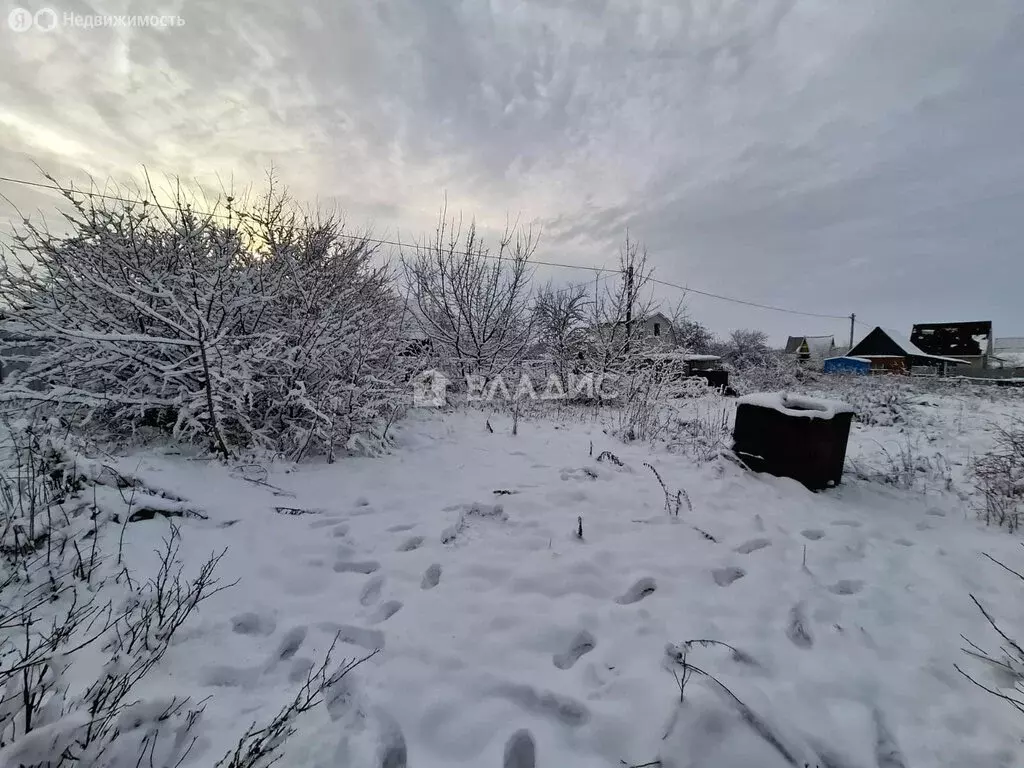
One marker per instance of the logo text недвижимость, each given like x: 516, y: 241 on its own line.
x: 48, y: 19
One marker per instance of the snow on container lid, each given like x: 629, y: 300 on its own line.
x: 796, y: 405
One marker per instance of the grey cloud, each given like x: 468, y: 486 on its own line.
x: 824, y: 155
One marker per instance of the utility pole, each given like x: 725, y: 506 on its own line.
x: 853, y: 319
x: 629, y: 301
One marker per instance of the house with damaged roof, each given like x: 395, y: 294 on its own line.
x: 890, y: 352
x: 971, y: 342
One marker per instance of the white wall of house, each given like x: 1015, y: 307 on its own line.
x: 658, y: 328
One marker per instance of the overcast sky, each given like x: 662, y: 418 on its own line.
x: 832, y: 156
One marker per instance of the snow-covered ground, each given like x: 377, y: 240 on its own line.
x: 457, y: 555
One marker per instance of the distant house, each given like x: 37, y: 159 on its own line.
x: 655, y: 329
x: 658, y: 328
x: 970, y: 342
x: 1008, y: 352
x: 815, y: 348
x: 889, y: 352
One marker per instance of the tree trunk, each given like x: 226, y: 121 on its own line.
x: 208, y: 386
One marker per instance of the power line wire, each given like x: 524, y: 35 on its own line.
x: 747, y: 303
x: 399, y: 244
x: 241, y: 215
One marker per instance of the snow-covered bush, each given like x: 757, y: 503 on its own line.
x: 999, y: 479
x: 78, y: 631
x: 264, y: 328
x: 694, y: 336
x: 768, y: 373
x: 747, y: 348
x: 35, y: 475
x: 330, y: 372
x: 881, y: 401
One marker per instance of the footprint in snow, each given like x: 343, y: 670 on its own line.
x: 584, y: 473
x: 520, y: 751
x: 847, y: 523
x: 414, y: 542
x: 356, y: 566
x: 401, y: 528
x: 324, y: 522
x: 290, y: 644
x: 253, y: 624
x: 797, y: 631
x: 341, y: 697
x: 371, y: 590
x: 450, y: 534
x: 887, y: 751
x: 752, y: 546
x: 641, y: 589
x: 814, y: 534
x: 563, y: 709
x: 368, y: 639
x: 846, y: 587
x: 224, y: 676
x: 904, y: 542
x: 386, y: 611
x: 393, y: 751
x: 725, y: 576
x: 583, y: 643
x: 431, y: 577
x: 300, y: 670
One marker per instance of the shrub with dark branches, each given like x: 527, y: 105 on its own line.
x: 1008, y: 663
x: 260, y: 746
x: 999, y: 478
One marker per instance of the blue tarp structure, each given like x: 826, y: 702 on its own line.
x: 847, y: 365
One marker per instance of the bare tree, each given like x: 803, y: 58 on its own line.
x: 619, y: 310
x: 473, y: 304
x: 561, y: 324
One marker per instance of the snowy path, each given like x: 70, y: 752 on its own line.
x: 493, y: 617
